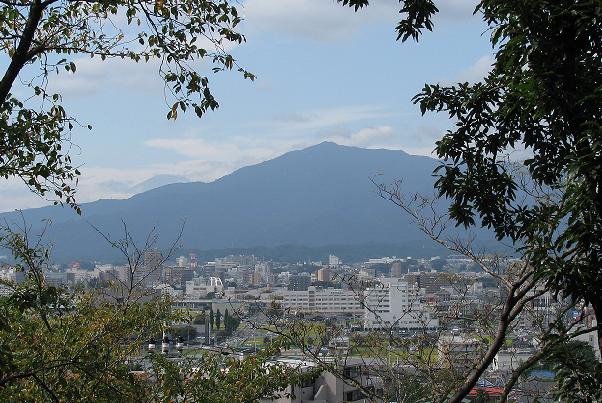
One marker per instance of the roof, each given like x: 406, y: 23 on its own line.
x: 489, y: 391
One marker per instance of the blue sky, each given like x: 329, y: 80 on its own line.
x: 324, y: 73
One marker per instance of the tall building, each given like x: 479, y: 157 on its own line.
x: 392, y: 303
x: 177, y: 276
x: 193, y: 262
x: 151, y: 269
x: 396, y: 269
x: 432, y: 282
x: 256, y: 278
x: 264, y: 272
x: 182, y: 261
x: 324, y: 274
x: 333, y: 261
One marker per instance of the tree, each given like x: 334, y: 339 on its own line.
x: 200, y: 319
x: 211, y: 318
x: 86, y: 346
x: 543, y: 95
x: 35, y: 129
x: 218, y: 319
x: 579, y: 373
x: 230, y: 323
x: 187, y: 332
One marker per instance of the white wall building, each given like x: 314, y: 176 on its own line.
x: 9, y: 275
x: 334, y: 261
x: 383, y: 260
x: 392, y: 303
x: 329, y: 300
x: 590, y: 338
x: 199, y: 287
x: 168, y: 290
x: 511, y: 359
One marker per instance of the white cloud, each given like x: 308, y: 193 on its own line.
x: 94, y: 74
x: 202, y: 149
x: 375, y: 136
x: 323, y: 20
x: 327, y: 118
x: 319, y: 20
x: 478, y: 70
x: 20, y: 196
x: 209, y: 160
x: 456, y: 9
x: 472, y: 74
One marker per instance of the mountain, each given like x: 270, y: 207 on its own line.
x: 157, y: 181
x: 322, y: 195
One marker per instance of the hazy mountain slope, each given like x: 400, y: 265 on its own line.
x: 317, y: 196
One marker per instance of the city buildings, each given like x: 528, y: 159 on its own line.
x: 177, y: 276
x: 150, y: 271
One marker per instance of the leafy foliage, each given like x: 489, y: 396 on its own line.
x: 543, y: 95
x: 417, y: 14
x: 542, y: 99
x: 176, y: 35
x: 578, y: 373
x: 59, y: 346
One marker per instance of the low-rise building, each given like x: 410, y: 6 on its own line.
x: 327, y: 301
x: 458, y: 351
x: 329, y: 387
x: 510, y: 359
x: 200, y: 287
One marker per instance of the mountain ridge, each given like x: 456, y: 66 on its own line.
x: 316, y: 196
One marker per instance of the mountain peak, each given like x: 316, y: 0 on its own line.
x: 317, y: 196
x: 328, y: 143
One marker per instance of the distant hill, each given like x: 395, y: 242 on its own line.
x: 318, y: 196
x: 158, y: 181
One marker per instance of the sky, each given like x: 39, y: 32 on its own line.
x: 325, y: 73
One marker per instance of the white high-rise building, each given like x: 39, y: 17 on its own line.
x: 392, y: 303
x: 182, y: 261
x: 333, y: 260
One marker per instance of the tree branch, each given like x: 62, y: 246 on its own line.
x: 20, y: 58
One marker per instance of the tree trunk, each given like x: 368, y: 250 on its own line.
x: 21, y: 55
